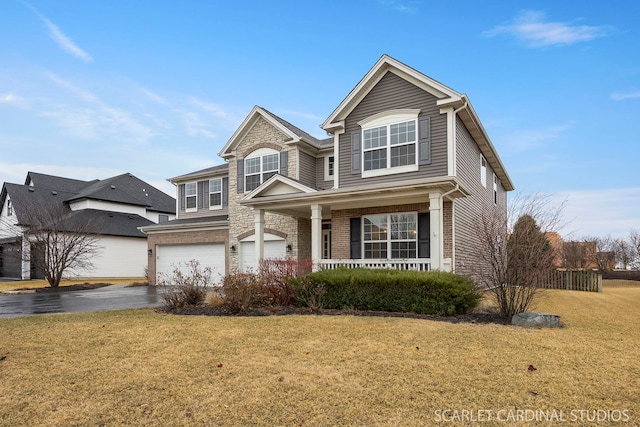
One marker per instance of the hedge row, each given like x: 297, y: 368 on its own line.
x: 435, y: 293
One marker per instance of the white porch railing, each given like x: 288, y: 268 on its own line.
x: 421, y: 264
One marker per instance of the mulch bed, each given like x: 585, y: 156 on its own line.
x: 474, y: 317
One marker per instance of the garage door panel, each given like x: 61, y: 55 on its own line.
x: 272, y: 249
x: 170, y: 257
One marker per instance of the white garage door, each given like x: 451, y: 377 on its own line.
x: 168, y: 257
x: 272, y: 249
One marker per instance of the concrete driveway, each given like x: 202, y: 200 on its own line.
x: 115, y: 297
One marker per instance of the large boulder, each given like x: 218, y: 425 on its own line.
x: 536, y: 320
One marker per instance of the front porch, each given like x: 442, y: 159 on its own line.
x: 405, y: 226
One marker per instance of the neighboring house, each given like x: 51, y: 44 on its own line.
x: 117, y: 206
x: 401, y: 181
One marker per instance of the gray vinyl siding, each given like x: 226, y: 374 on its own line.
x: 393, y: 92
x: 467, y: 210
x: 202, y: 209
x: 307, y: 168
x: 320, y: 182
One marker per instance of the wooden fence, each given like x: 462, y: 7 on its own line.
x: 575, y: 280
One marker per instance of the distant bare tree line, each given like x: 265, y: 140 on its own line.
x: 603, y: 253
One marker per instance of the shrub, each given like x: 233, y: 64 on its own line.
x: 187, y: 284
x: 435, y: 293
x: 309, y: 293
x: 243, y: 291
x: 275, y: 275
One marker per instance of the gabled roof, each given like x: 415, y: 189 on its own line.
x: 127, y: 189
x: 446, y: 96
x: 109, y: 223
x: 49, y: 190
x: 278, y: 185
x: 202, y: 173
x: 53, y: 182
x: 375, y: 74
x: 25, y: 198
x: 293, y: 133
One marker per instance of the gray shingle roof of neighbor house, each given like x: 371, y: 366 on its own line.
x: 128, y: 189
x: 109, y: 223
x: 58, y: 183
x: 25, y: 198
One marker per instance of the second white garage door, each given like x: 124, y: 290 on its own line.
x: 272, y: 249
x: 168, y: 257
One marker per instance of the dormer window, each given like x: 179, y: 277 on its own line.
x: 191, y: 196
x: 262, y: 166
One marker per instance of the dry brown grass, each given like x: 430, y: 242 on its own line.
x: 139, y: 367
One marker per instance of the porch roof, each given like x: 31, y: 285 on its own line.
x: 297, y: 202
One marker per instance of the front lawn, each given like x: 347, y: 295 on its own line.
x: 139, y: 367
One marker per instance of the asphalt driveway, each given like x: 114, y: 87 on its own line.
x: 107, y: 298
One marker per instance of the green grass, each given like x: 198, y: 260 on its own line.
x: 139, y: 367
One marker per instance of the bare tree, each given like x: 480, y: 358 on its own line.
x: 600, y: 253
x: 59, y: 241
x: 624, y: 252
x: 514, y: 254
x: 634, y: 244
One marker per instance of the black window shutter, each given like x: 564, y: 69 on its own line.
x: 205, y: 194
x: 284, y: 163
x: 355, y: 252
x: 424, y: 232
x: 200, y: 193
x: 225, y: 191
x: 424, y: 141
x: 183, y: 197
x: 356, y: 153
x: 240, y: 173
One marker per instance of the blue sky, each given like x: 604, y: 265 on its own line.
x: 93, y: 89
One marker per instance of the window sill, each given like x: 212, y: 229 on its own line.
x: 190, y: 210
x: 389, y: 171
x: 215, y: 208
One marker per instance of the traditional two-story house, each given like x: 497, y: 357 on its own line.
x: 406, y: 171
x: 112, y: 209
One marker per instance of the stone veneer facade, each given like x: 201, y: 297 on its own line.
x: 242, y: 218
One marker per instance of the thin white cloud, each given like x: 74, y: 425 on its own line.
x: 13, y: 99
x: 619, y: 96
x: 601, y: 212
x: 194, y: 126
x: 154, y: 96
x: 97, y: 120
x: 533, y: 138
x: 213, y: 109
x: 401, y: 6
x: 534, y: 30
x: 64, y: 42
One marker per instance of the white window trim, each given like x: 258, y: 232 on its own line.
x: 186, y: 197
x: 495, y: 189
x: 388, y: 118
x: 389, y: 240
x: 9, y: 207
x: 215, y: 207
x: 483, y: 171
x: 262, y: 152
x: 327, y: 176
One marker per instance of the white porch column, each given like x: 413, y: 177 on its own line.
x: 25, y: 257
x: 259, y: 234
x: 316, y: 234
x: 436, y: 238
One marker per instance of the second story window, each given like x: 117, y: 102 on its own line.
x: 390, y: 146
x: 495, y: 189
x: 260, y: 168
x: 329, y: 167
x: 390, y: 142
x: 163, y: 218
x: 191, y: 196
x: 9, y: 208
x: 215, y: 193
x: 483, y: 171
